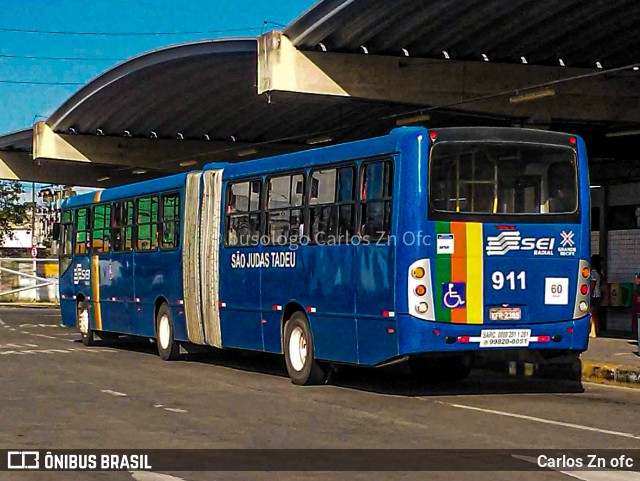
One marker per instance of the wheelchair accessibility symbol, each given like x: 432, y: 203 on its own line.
x: 453, y: 295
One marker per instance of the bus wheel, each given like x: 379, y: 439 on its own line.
x: 167, y: 346
x: 302, y: 367
x: 84, y: 324
x: 441, y: 370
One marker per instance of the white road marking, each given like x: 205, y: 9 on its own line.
x: 149, y: 476
x: 2, y: 323
x: 173, y: 410
x: 113, y: 393
x: 41, y: 335
x: 612, y: 475
x: 50, y: 351
x: 542, y: 420
x: 15, y: 346
x: 39, y: 325
x: 603, y: 475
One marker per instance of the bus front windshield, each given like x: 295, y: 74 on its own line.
x: 503, y: 178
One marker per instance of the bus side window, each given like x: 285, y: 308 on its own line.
x: 375, y: 200
x: 82, y: 240
x: 170, y: 221
x: 243, y: 213
x: 285, y: 213
x: 147, y: 224
x: 121, y: 226
x: 331, y: 205
x: 100, y: 231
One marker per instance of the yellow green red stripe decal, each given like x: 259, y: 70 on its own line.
x: 95, y: 279
x: 464, y: 265
x: 459, y: 266
x: 95, y: 276
x: 475, y: 273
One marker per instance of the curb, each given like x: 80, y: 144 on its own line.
x: 614, y: 374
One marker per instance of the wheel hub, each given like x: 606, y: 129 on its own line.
x: 298, y: 349
x: 164, y: 332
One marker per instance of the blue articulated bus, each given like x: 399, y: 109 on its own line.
x: 422, y: 245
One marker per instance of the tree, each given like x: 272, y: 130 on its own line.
x: 12, y: 211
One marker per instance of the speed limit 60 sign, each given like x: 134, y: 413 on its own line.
x: 556, y: 291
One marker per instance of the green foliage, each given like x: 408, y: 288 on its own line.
x: 12, y: 211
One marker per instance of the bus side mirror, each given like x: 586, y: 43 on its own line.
x: 55, y: 231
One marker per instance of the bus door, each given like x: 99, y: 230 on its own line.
x: 375, y: 264
x: 108, y: 273
x: 118, y: 286
x: 240, y: 313
x: 75, y: 262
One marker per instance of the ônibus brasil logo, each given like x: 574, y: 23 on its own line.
x: 513, y: 241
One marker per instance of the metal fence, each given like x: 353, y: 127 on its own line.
x: 28, y: 280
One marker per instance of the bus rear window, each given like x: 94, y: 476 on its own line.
x: 503, y: 178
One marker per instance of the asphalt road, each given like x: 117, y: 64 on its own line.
x: 55, y: 393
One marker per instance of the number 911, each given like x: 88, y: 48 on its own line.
x: 511, y: 280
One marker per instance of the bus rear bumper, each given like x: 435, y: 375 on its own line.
x: 416, y: 336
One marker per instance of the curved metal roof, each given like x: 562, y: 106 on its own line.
x: 580, y: 32
x: 18, y: 141
x: 205, y: 89
x: 155, y: 91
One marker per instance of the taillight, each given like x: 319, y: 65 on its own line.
x: 418, y: 272
x: 420, y: 290
x: 586, y: 272
x: 584, y: 289
x: 422, y: 308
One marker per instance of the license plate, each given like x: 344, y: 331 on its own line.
x: 505, y: 314
x: 505, y: 337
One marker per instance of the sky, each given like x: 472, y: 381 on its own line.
x: 21, y: 104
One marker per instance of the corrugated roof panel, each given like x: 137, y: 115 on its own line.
x: 581, y: 32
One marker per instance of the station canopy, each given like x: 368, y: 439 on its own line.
x: 580, y: 33
x: 175, y: 108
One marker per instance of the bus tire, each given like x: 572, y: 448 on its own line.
x: 168, y: 348
x: 302, y: 367
x: 83, y: 321
x: 443, y: 370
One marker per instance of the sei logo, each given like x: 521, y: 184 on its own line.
x: 80, y: 274
x: 513, y: 241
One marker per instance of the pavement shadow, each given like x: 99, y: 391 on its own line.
x: 391, y: 380
x: 394, y: 380
x: 398, y: 381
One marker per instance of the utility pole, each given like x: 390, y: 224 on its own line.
x: 34, y: 239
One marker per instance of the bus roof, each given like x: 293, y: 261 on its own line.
x: 385, y: 144
x: 130, y: 190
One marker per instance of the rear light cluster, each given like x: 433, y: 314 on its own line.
x: 420, y: 295
x: 582, y: 294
